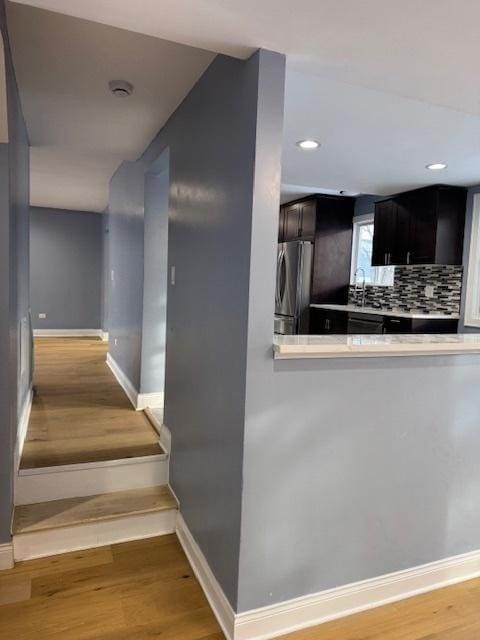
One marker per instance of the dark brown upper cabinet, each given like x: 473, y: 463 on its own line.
x: 424, y: 226
x: 327, y: 222
x: 297, y: 221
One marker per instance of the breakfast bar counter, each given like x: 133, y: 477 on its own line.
x: 361, y: 346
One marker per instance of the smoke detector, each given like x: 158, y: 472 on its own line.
x: 120, y: 88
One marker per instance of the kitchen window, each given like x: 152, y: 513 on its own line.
x: 362, y: 245
x: 472, y: 296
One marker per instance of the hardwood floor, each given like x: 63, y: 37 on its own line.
x: 80, y: 413
x: 146, y: 589
x: 133, y: 591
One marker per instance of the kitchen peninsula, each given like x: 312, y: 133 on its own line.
x: 354, y: 346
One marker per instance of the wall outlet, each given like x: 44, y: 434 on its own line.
x: 42, y: 315
x: 429, y: 291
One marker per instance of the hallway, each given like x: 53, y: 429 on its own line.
x: 80, y: 414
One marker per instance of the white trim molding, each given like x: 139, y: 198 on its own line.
x: 6, y: 556
x: 217, y: 599
x: 153, y: 400
x: 123, y: 381
x: 307, y: 611
x: 104, y: 336
x: 68, y: 333
x: 23, y: 428
x: 472, y: 291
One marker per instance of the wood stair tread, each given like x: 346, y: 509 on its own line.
x: 106, y: 506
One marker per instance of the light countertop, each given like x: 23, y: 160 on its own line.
x: 348, y: 346
x: 382, y: 312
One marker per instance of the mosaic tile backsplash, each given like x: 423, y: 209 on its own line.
x: 408, y: 291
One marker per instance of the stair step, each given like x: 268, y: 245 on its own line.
x: 90, y: 479
x: 106, y: 506
x: 59, y: 526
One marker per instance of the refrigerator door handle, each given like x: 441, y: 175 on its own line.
x: 277, y: 289
x: 283, y: 276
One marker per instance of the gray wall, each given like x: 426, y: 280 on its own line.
x: 66, y: 269
x: 157, y: 184
x: 352, y: 468
x: 212, y: 144
x: 15, y: 350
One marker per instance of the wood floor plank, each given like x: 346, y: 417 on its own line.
x: 107, y: 506
x: 145, y: 589
x: 80, y: 413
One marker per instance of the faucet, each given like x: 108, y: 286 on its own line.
x: 363, y: 284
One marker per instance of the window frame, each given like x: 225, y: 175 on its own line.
x: 472, y: 293
x: 359, y: 221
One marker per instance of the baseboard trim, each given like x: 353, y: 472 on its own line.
x: 104, y: 336
x: 218, y: 601
x: 286, y: 617
x: 6, y: 556
x: 23, y: 428
x: 123, y: 381
x: 27, y: 546
x: 311, y: 610
x: 153, y: 400
x: 90, y: 478
x: 68, y: 333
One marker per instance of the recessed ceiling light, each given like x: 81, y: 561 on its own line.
x: 436, y: 166
x: 308, y: 144
x: 120, y: 88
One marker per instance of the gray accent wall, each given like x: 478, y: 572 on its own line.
x: 66, y: 268
x: 213, y: 166
x: 15, y: 348
x: 352, y: 468
x: 157, y: 185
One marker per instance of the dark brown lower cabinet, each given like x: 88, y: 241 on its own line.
x: 326, y: 321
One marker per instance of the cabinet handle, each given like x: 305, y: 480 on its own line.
x: 385, y: 259
x: 408, y: 257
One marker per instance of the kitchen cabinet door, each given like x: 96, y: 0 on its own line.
x: 281, y: 225
x: 308, y: 218
x: 401, y: 250
x: 384, y: 233
x: 423, y: 224
x: 292, y: 222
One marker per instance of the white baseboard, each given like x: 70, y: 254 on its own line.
x: 153, y: 400
x: 93, y: 534
x: 89, y: 479
x: 104, y: 336
x: 68, y: 333
x: 162, y: 429
x: 123, y: 381
x: 6, y: 556
x: 166, y: 438
x: 22, y: 428
x: 307, y: 611
x: 218, y: 600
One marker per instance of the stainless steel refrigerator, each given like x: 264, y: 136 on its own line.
x: 292, y: 297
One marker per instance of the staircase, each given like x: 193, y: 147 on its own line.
x: 72, y: 507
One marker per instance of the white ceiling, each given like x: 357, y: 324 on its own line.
x: 78, y: 130
x: 371, y: 141
x: 385, y: 86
